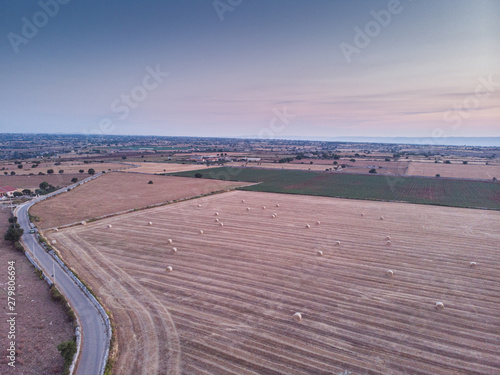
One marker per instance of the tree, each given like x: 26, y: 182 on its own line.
x: 61, y: 170
x: 336, y: 157
x: 18, y: 194
x: 74, y: 179
x: 494, y: 179
x: 13, y: 219
x: 124, y: 157
x: 41, y: 174
x: 12, y: 173
x: 27, y: 192
x: 91, y: 171
x: 448, y: 162
x: 387, y: 159
x: 438, y: 175
x: 372, y: 170
x: 198, y: 175
x: 352, y: 160
x: 335, y: 162
x: 34, y: 165
x: 6, y: 173
x: 43, y: 185
x: 465, y: 162
x: 81, y: 171
x: 150, y: 182
x: 50, y: 171
x: 14, y: 233
x: 20, y: 166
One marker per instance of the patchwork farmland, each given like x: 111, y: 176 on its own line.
x: 227, y: 306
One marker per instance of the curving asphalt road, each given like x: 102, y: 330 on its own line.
x: 95, y: 338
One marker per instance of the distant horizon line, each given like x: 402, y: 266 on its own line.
x: 488, y: 141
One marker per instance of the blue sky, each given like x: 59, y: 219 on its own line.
x: 251, y: 68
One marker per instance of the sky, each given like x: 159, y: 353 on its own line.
x: 251, y: 68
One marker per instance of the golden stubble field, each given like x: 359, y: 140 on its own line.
x: 227, y: 305
x: 117, y: 192
x: 479, y: 171
x: 159, y: 168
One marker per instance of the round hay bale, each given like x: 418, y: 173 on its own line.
x: 263, y: 207
x: 169, y: 269
x: 199, y: 205
x: 381, y: 218
x: 320, y: 253
x: 248, y: 208
x: 387, y: 237
x: 110, y: 226
x: 388, y: 243
x: 274, y: 216
x: 242, y: 201
x: 54, y: 242
x: 150, y: 223
x: 297, y: 317
x: 221, y: 224
x: 389, y: 273
x: 362, y: 214
x: 216, y: 220
x: 83, y: 222
x: 169, y: 241
x: 174, y: 250
x: 439, y: 305
x: 318, y: 222
x: 216, y: 214
x: 472, y: 264
x: 56, y: 230
x: 308, y: 226
x: 337, y: 243
x: 277, y: 204
x: 201, y: 231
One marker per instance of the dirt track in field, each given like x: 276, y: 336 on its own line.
x: 116, y: 192
x: 486, y: 172
x: 227, y: 306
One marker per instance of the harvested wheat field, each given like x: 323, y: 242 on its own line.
x: 159, y: 168
x: 482, y: 171
x: 363, y: 166
x: 67, y: 167
x: 117, y: 192
x: 33, y: 182
x: 225, y: 300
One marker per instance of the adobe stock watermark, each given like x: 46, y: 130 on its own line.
x: 223, y: 6
x: 282, y: 118
x: 363, y: 37
x: 126, y: 102
x: 30, y: 27
x: 462, y: 110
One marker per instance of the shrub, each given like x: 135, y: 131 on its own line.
x: 61, y: 170
x: 372, y: 170
x: 20, y: 166
x: 150, y: 182
x: 74, y: 179
x: 91, y: 171
x: 198, y: 175
x: 465, y: 162
x: 448, y: 162
x: 50, y: 171
x: 438, y: 175
x: 12, y: 173
x: 19, y: 247
x: 67, y: 350
x: 81, y: 171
